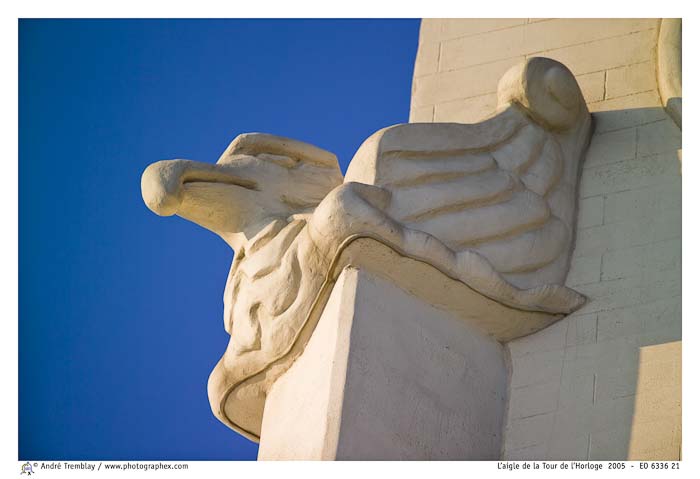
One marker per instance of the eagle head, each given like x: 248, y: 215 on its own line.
x: 259, y: 178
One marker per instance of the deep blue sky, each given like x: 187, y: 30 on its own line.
x: 120, y: 311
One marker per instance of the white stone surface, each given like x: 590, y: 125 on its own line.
x: 669, y: 54
x: 304, y: 407
x: 585, y: 371
x: 387, y: 376
x: 584, y: 388
x: 490, y: 205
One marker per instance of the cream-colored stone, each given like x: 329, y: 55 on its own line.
x: 591, y: 211
x: 609, y: 53
x: 669, y: 66
x: 584, y: 270
x: 447, y: 86
x: 639, y: 318
x: 592, y: 86
x: 582, y: 329
x: 657, y: 138
x: 627, y: 111
x: 427, y: 194
x: 601, y: 356
x: 533, y: 400
x: 643, y: 261
x: 567, y: 446
x: 611, y: 147
x: 564, y: 32
x: 421, y: 114
x: 656, y: 430
x: 537, y: 368
x: 609, y: 445
x: 597, y: 240
x: 489, y: 205
x: 627, y: 175
x: 528, y: 432
x: 460, y: 27
x: 606, y: 415
x: 614, y: 400
x: 470, y: 110
x: 630, y: 79
x: 383, y: 377
x: 576, y: 392
x: 427, y: 59
x: 483, y: 48
x: 525, y: 453
x: 430, y: 30
x: 303, y: 408
x: 655, y: 201
x: 554, y: 337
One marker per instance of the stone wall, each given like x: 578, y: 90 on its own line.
x: 603, y: 383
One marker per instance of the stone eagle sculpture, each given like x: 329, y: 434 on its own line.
x: 492, y: 205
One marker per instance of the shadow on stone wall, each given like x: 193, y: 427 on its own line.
x: 604, y: 383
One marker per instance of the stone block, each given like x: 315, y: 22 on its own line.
x: 549, y: 339
x: 599, y: 356
x: 627, y: 111
x: 630, y: 174
x: 592, y: 86
x: 606, y: 295
x: 421, y: 114
x: 662, y: 353
x: 430, y: 30
x: 576, y: 392
x: 567, y: 446
x: 615, y: 383
x: 564, y: 32
x: 666, y: 287
x: 470, y: 110
x: 584, y: 270
x: 526, y: 453
x: 537, y: 368
x: 533, y: 400
x: 605, y: 54
x: 527, y: 432
x: 649, y: 202
x: 487, y: 47
x: 610, y: 445
x: 660, y: 137
x: 462, y: 27
x: 590, y: 212
x: 611, y: 147
x: 659, y: 392
x: 387, y: 376
x: 465, y: 83
x: 647, y: 437
x: 627, y: 253
x: 638, y: 319
x: 650, y: 260
x: 668, y: 333
x: 582, y: 329
x: 427, y: 59
x: 630, y: 79
x: 608, y: 414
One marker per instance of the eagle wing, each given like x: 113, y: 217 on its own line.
x: 505, y: 188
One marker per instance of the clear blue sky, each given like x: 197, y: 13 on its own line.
x: 120, y: 316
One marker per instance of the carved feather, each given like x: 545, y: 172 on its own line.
x: 490, y: 204
x: 504, y: 188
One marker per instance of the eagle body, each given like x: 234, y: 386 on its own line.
x: 491, y: 205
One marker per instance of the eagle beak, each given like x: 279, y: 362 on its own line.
x: 161, y: 186
x: 163, y: 183
x: 214, y: 196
